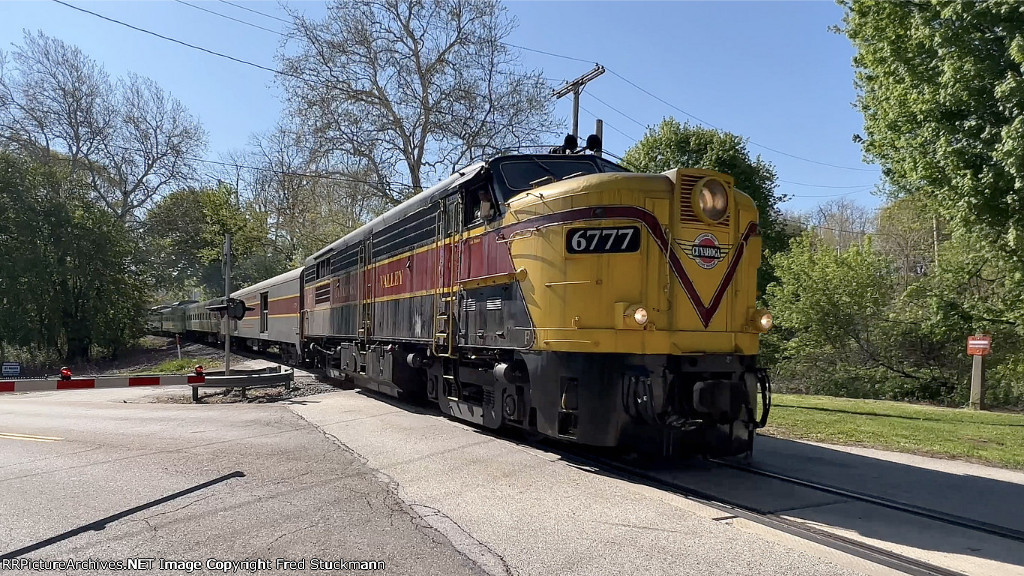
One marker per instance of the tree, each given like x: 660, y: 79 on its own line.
x: 69, y: 282
x: 309, y: 208
x: 401, y: 91
x: 908, y: 234
x: 941, y: 89
x: 671, y: 145
x: 131, y: 137
x: 842, y: 223
x: 185, y: 236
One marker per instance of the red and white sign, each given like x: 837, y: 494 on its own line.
x: 42, y: 385
x: 979, y: 345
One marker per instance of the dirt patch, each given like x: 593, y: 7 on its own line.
x: 299, y: 389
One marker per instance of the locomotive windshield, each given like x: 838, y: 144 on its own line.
x: 514, y: 175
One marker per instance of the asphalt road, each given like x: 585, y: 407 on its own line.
x: 111, y: 475
x: 105, y: 475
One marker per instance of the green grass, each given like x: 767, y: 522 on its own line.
x: 184, y: 365
x: 985, y: 437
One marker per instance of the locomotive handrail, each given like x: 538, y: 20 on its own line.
x: 550, y: 284
x: 527, y: 233
x: 493, y: 279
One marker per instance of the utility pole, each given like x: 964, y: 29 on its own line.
x: 227, y: 294
x: 575, y: 87
x: 599, y: 130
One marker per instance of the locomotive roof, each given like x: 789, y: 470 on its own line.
x: 430, y: 195
x: 418, y: 201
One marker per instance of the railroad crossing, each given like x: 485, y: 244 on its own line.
x: 349, y: 473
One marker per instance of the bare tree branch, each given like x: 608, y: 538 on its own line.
x: 404, y: 90
x: 131, y: 138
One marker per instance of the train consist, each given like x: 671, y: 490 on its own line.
x: 558, y: 292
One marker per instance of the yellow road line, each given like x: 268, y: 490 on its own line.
x: 30, y: 437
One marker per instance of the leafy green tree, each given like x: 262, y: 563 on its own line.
x: 69, y: 280
x: 826, y: 303
x: 671, y: 145
x: 846, y: 324
x: 942, y: 92
x: 941, y: 87
x: 185, y: 238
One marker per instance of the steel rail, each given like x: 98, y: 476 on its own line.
x: 930, y: 514
x: 837, y: 542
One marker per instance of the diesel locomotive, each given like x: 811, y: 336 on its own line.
x: 559, y: 293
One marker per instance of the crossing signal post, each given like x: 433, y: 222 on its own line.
x: 231, y: 309
x: 227, y: 296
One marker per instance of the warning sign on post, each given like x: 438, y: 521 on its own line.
x: 10, y: 369
x: 979, y: 345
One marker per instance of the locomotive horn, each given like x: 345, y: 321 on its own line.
x: 570, y: 144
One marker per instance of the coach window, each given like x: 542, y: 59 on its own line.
x: 264, y: 313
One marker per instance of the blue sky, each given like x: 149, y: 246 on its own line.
x: 769, y: 71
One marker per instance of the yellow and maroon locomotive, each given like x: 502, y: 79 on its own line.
x: 557, y: 292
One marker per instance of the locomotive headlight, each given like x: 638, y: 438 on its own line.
x: 762, y: 320
x: 711, y: 200
x: 639, y: 314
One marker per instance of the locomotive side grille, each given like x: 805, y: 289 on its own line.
x: 322, y: 295
x: 687, y: 217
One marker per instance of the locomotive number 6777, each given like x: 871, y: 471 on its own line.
x: 555, y: 292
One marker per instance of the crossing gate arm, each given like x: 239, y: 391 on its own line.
x: 84, y: 383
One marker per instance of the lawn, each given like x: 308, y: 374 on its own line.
x: 986, y: 437
x: 184, y: 365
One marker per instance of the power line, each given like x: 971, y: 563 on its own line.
x: 169, y: 39
x: 225, y: 16
x: 547, y: 53
x: 608, y: 124
x: 240, y: 60
x: 307, y: 80
x: 826, y: 185
x: 810, y: 226
x: 689, y: 115
x: 859, y: 187
x: 621, y: 113
x: 346, y: 179
x: 862, y: 189
x: 254, y: 11
x: 758, y: 144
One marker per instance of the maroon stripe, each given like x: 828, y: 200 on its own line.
x: 705, y: 312
x: 144, y: 381
x: 6, y: 386
x: 75, y: 384
x: 196, y: 379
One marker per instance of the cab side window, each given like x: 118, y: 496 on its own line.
x: 479, y: 204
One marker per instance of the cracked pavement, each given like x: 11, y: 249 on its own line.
x: 301, y: 494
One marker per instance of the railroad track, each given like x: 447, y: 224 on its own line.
x: 936, y: 515
x: 869, y: 552
x: 579, y: 456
